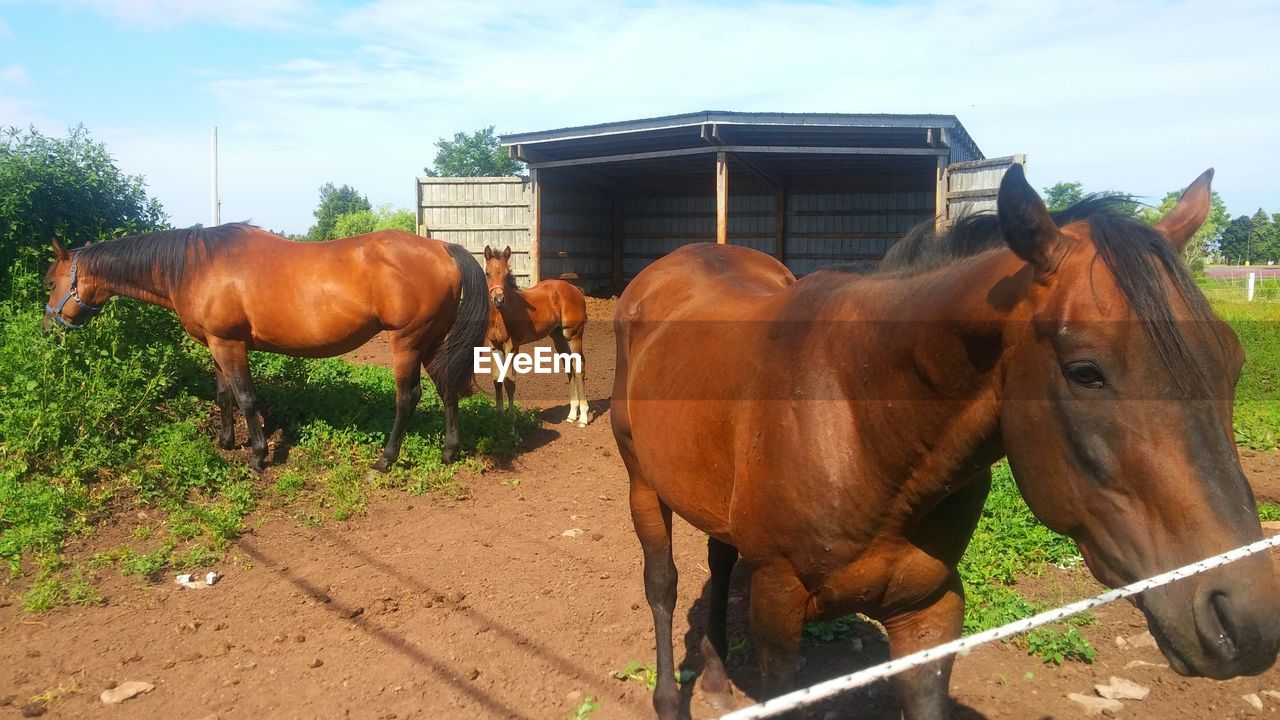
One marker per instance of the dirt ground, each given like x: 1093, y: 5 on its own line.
x: 517, y: 598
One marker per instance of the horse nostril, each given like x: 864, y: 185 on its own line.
x: 1218, y: 630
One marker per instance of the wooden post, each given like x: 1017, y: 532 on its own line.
x: 722, y: 198
x: 535, y: 232
x: 780, y: 224
x: 940, y: 197
x: 617, y: 242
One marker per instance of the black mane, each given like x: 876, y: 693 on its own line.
x: 157, y: 258
x: 1138, y: 257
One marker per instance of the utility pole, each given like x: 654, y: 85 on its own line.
x: 215, y: 204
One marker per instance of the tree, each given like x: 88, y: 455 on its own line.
x: 335, y: 201
x: 1264, y: 238
x: 385, y: 217
x: 473, y: 155
x: 1234, y: 242
x: 1206, y: 238
x: 1063, y: 195
x: 68, y: 188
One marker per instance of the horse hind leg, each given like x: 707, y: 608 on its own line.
x: 652, y: 520
x: 571, y: 344
x: 406, y: 363
x: 714, y: 683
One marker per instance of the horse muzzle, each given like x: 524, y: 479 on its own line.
x: 1221, y: 627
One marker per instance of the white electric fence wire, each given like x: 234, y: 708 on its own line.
x: 835, y: 686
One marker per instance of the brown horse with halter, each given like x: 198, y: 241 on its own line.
x: 837, y: 432
x: 516, y: 317
x: 237, y: 288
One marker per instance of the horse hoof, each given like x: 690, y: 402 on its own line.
x: 227, y: 444
x: 257, y: 466
x: 448, y: 456
x: 381, y: 465
x: 582, y: 423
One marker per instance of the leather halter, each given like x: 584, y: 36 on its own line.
x: 87, y: 311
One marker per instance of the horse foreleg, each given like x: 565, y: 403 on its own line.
x: 922, y: 692
x: 227, y: 407
x: 233, y: 358
x: 406, y: 363
x: 652, y: 519
x: 510, y: 382
x: 497, y: 384
x: 778, y: 603
x: 721, y: 558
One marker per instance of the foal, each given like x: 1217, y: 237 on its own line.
x: 552, y: 307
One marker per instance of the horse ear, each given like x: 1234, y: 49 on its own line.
x: 59, y: 252
x: 488, y: 253
x: 506, y: 253
x: 1189, y: 213
x: 1025, y: 222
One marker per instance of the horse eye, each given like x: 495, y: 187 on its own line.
x: 1085, y: 374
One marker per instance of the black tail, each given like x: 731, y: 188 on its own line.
x: 450, y: 367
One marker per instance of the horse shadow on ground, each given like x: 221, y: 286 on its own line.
x: 347, y: 405
x: 560, y: 413
x: 345, y: 606
x: 828, y: 650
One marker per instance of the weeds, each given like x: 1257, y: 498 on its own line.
x: 647, y: 674
x: 1052, y: 645
x: 588, y: 706
x: 826, y: 631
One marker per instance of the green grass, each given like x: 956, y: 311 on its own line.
x: 117, y: 419
x: 1257, y: 324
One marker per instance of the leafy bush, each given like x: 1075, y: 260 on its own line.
x: 384, y: 217
x: 68, y: 188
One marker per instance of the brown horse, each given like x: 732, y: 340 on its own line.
x: 551, y: 307
x: 837, y: 432
x: 237, y: 288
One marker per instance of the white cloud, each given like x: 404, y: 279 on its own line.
x: 1137, y: 96
x: 171, y: 13
x: 14, y: 75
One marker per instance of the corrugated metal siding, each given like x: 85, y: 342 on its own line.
x: 577, y: 235
x: 849, y: 228
x: 654, y: 226
x: 479, y: 211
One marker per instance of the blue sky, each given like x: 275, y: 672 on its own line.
x: 1138, y: 96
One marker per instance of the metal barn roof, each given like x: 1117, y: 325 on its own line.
x: 693, y: 133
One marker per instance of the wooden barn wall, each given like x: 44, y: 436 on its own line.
x: 577, y: 235
x: 479, y: 211
x: 849, y: 228
x: 972, y: 179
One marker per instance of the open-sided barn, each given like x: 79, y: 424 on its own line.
x: 603, y: 201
